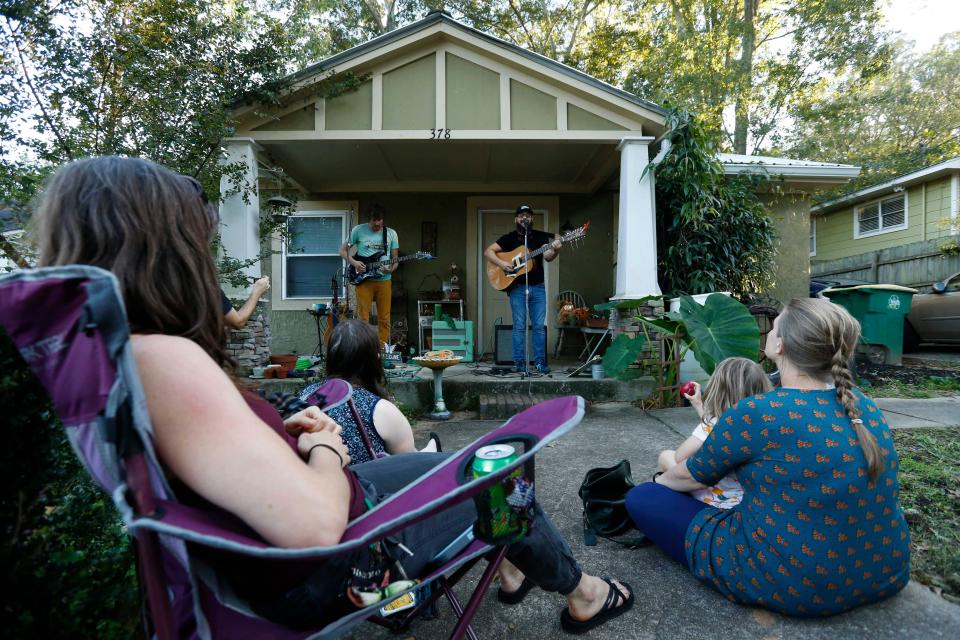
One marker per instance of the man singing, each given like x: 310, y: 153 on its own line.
x: 528, y: 287
x: 366, y: 240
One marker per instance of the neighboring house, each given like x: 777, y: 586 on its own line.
x: 902, y: 231
x: 450, y: 131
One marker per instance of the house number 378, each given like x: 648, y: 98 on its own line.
x: 440, y: 134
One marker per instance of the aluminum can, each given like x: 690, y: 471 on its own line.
x: 497, y: 521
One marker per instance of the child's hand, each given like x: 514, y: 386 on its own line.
x: 695, y: 399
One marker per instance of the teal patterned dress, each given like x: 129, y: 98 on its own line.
x: 813, y: 534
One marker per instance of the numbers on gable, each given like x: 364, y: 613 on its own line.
x: 439, y: 134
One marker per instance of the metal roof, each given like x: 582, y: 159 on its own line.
x: 734, y: 163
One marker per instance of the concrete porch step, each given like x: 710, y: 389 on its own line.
x: 499, y: 406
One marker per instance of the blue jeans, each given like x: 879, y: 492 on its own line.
x: 538, y: 315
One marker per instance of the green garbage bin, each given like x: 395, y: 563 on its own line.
x: 880, y: 309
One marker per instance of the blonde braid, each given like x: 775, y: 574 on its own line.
x: 843, y: 380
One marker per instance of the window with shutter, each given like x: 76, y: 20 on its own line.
x: 881, y: 216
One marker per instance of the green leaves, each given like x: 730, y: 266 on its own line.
x: 622, y: 352
x: 718, y: 329
x: 713, y: 233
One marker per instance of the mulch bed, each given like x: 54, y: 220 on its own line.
x: 881, y: 374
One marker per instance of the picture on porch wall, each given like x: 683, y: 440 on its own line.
x: 428, y: 237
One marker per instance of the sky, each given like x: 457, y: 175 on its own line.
x: 923, y: 21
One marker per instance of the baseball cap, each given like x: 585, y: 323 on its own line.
x: 524, y: 207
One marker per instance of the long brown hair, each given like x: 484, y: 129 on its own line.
x: 151, y: 228
x: 733, y: 380
x: 819, y: 337
x: 353, y: 354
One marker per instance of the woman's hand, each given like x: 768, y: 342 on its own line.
x: 310, y: 420
x: 332, y: 439
x: 695, y: 399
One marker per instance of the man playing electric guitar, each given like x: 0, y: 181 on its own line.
x: 534, y: 280
x: 373, y: 240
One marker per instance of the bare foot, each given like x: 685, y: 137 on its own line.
x: 510, y: 577
x: 587, y: 599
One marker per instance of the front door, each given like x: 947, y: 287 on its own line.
x: 495, y: 304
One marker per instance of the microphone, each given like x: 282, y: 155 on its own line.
x: 525, y: 223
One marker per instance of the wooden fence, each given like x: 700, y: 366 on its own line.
x: 917, y: 265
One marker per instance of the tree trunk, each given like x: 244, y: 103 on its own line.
x: 742, y: 108
x: 6, y: 247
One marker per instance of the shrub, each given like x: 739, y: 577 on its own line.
x: 67, y: 560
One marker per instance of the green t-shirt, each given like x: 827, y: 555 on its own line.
x: 368, y: 242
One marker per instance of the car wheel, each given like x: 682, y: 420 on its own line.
x: 911, y: 341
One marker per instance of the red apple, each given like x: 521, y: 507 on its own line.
x: 688, y: 388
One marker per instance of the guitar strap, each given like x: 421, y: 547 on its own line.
x: 386, y: 249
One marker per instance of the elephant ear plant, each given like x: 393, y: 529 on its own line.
x: 718, y: 329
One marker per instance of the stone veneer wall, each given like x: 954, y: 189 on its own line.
x: 250, y: 346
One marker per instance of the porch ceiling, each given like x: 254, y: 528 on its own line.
x: 325, y: 166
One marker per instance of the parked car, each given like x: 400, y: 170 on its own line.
x: 934, y: 317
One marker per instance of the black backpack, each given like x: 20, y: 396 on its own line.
x: 603, y: 492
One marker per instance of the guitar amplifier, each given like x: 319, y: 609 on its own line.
x: 503, y: 344
x: 458, y: 339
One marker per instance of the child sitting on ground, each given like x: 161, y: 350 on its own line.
x: 733, y: 380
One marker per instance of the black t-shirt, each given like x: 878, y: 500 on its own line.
x: 225, y: 303
x: 535, y: 240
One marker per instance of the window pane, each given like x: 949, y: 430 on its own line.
x: 813, y: 237
x: 309, y: 277
x: 892, y: 212
x: 870, y: 218
x: 315, y: 234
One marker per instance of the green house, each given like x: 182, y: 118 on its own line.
x: 450, y: 130
x: 903, y: 231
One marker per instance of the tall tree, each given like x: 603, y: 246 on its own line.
x: 148, y: 78
x: 745, y: 64
x: 889, y: 124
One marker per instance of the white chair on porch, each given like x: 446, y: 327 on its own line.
x: 577, y: 301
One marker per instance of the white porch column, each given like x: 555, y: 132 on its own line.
x: 637, y: 232
x: 239, y: 219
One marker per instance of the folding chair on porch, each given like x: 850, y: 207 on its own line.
x: 70, y: 326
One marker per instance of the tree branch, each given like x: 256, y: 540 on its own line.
x: 43, y: 110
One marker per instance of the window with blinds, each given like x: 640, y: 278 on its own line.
x: 889, y: 214
x: 311, y: 253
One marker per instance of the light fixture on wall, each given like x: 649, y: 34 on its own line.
x: 898, y: 188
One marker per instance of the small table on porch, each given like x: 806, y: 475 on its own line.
x: 437, y: 366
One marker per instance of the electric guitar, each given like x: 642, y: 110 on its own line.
x: 374, y: 264
x: 501, y: 279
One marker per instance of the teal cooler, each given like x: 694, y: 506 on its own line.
x: 880, y: 309
x: 458, y: 338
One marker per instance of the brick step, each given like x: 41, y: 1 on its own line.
x: 497, y: 406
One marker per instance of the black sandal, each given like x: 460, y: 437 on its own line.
x: 515, y: 597
x: 436, y: 438
x: 611, y: 608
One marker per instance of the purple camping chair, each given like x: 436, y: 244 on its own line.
x: 70, y: 326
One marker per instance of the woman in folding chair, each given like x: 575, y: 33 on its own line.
x: 226, y: 447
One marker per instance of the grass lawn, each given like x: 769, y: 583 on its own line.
x: 930, y: 496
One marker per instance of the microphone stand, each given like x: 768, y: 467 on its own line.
x: 526, y: 302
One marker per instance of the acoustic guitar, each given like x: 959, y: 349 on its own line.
x: 375, y: 263
x: 501, y: 279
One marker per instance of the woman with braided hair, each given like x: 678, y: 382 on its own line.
x: 819, y: 529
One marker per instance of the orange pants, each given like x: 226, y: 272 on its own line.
x: 378, y: 292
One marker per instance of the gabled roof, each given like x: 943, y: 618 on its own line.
x: 438, y: 17
x: 934, y: 171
